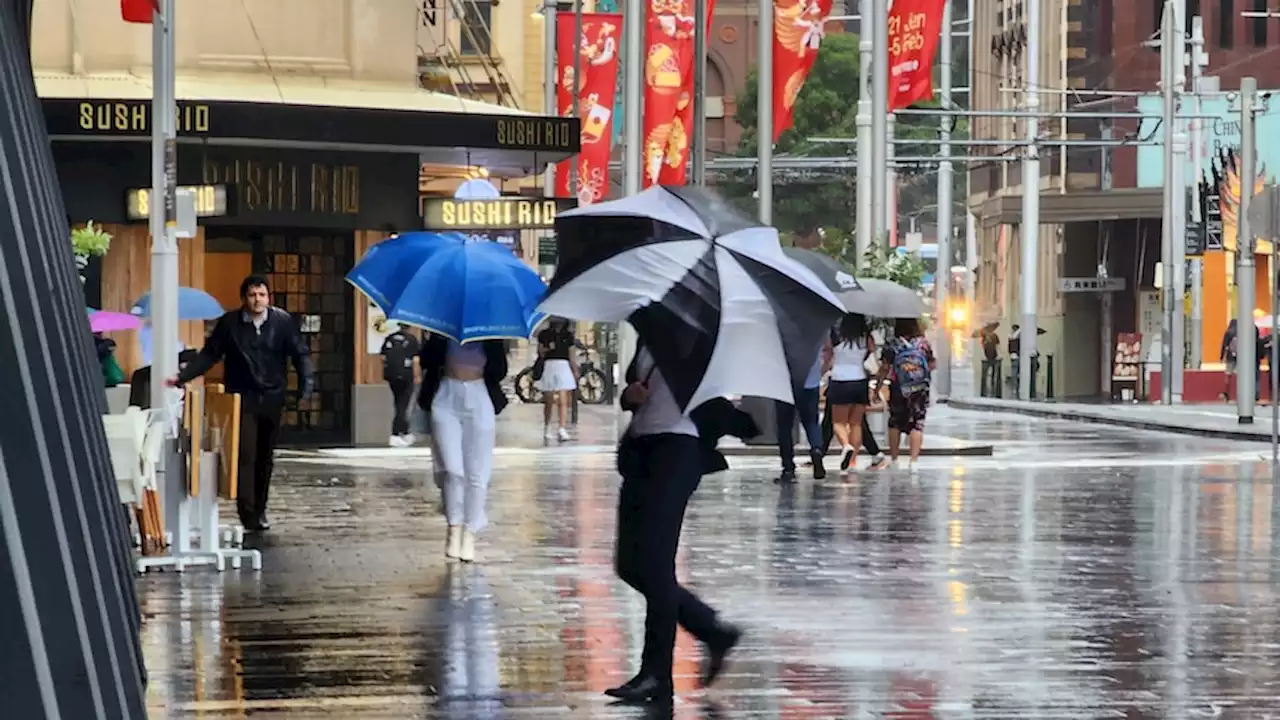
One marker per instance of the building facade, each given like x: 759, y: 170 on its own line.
x: 311, y: 118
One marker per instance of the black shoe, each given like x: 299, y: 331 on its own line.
x: 788, y: 477
x: 846, y: 458
x: 718, y: 651
x: 819, y: 470
x: 643, y: 690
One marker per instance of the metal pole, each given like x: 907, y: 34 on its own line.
x: 890, y: 179
x: 866, y: 222
x: 575, y: 91
x: 1178, y: 176
x: 633, y: 158
x: 698, y: 143
x: 164, y: 246
x: 878, y: 22
x: 764, y: 110
x: 549, y: 84
x: 1168, y: 91
x: 1246, y: 363
x: 1030, y: 209
x: 942, y: 278
x: 1197, y: 153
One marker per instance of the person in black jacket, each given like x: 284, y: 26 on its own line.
x: 462, y: 393
x: 662, y: 457
x: 254, y: 344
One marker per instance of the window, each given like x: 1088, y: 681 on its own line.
x: 1227, y: 24
x: 477, y: 17
x: 1259, y: 34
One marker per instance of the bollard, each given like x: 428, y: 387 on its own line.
x: 1048, y: 387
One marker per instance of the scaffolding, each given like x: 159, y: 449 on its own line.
x: 449, y: 65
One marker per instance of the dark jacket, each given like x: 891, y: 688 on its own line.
x: 713, y: 418
x: 435, y: 351
x: 254, y: 358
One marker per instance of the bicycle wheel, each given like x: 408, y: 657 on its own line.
x: 591, y: 387
x: 527, y: 388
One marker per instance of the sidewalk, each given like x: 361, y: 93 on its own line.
x: 1209, y: 420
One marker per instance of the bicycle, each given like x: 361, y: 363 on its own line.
x: 594, y: 386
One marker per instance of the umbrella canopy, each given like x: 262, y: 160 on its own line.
x: 449, y: 284
x: 108, y: 321
x: 193, y: 304
x: 883, y: 299
x: 719, y: 306
x: 837, y: 276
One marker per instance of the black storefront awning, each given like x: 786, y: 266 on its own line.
x: 505, y: 145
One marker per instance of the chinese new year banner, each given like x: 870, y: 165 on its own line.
x: 668, y: 65
x: 914, y: 29
x: 797, y: 35
x: 597, y: 87
x: 675, y: 170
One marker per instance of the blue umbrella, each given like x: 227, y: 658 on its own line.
x: 449, y: 285
x: 193, y: 304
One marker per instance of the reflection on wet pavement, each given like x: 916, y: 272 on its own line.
x: 1082, y: 572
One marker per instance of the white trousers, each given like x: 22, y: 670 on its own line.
x: 463, y: 426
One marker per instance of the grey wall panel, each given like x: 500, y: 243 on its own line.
x: 70, y: 615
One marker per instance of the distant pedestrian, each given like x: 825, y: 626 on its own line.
x: 1230, y: 357
x: 462, y: 392
x: 398, y: 352
x: 908, y: 357
x: 254, y: 343
x: 559, y: 378
x: 850, y: 389
x: 112, y: 375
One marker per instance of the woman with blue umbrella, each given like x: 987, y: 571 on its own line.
x: 471, y: 296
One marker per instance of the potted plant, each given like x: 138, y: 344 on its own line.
x: 86, y: 242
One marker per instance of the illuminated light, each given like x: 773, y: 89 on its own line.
x: 959, y: 593
x: 955, y: 533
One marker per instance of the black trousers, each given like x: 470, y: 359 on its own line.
x: 828, y: 432
x: 259, y: 431
x: 651, y: 509
x: 401, y: 393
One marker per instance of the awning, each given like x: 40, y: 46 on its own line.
x: 1076, y: 206
x: 312, y: 113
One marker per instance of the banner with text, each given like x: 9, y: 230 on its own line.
x: 797, y: 36
x: 668, y: 62
x: 675, y: 170
x: 597, y: 87
x: 915, y: 27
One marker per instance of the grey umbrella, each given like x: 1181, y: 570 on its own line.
x: 865, y: 296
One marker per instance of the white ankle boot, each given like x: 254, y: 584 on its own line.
x: 453, y: 545
x: 467, y: 553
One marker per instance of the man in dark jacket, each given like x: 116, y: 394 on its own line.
x: 254, y: 343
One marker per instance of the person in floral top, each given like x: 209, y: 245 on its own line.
x: 909, y: 357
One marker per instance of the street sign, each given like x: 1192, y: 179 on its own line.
x: 1213, y: 222
x: 1264, y: 213
x: 1090, y: 284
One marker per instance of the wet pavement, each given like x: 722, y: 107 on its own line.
x: 1081, y: 571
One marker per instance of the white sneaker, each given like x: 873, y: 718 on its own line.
x: 409, y: 439
x: 563, y: 434
x: 467, y: 552
x: 453, y: 545
x: 395, y: 441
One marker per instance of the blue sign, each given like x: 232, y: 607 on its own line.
x: 1217, y: 135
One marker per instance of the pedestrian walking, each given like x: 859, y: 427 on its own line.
x: 254, y: 343
x: 878, y: 460
x: 462, y: 392
x: 398, y: 352
x: 908, y: 357
x: 559, y: 374
x: 806, y: 409
x: 1228, y: 355
x: 662, y: 457
x: 850, y: 389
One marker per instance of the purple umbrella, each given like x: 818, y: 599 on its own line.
x: 108, y: 321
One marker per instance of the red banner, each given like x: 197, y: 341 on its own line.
x: 596, y: 89
x: 797, y: 35
x: 914, y: 29
x: 675, y: 168
x: 137, y: 11
x: 667, y: 67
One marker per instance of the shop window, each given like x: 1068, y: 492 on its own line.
x: 477, y: 18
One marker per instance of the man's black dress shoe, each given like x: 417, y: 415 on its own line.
x: 718, y: 650
x: 642, y: 689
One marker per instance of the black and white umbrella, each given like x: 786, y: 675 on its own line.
x: 719, y: 306
x: 866, y: 296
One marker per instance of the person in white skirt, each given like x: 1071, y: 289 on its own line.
x: 559, y: 374
x: 462, y: 391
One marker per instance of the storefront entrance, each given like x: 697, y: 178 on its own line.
x: 305, y: 270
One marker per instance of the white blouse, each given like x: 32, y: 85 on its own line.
x: 660, y: 413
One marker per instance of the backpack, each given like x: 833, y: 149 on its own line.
x: 911, y: 365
